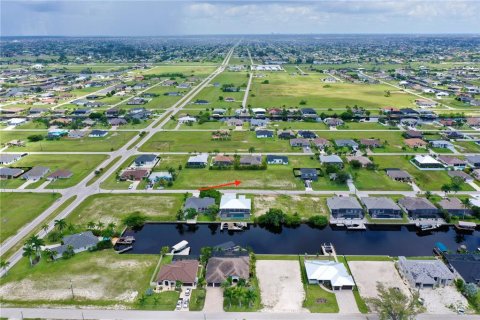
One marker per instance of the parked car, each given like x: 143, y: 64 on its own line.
x: 179, y: 304
x: 185, y: 304
x: 188, y: 291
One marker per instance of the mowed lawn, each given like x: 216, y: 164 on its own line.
x: 425, y: 179
x: 102, y: 278
x: 289, y: 90
x: 241, y: 141
x: 18, y: 209
x: 212, y: 93
x: 376, y: 180
x: 79, y: 164
x: 112, y: 141
x: 109, y: 208
x: 191, y: 70
x: 305, y: 205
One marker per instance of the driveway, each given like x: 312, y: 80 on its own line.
x: 281, y: 285
x: 346, y: 301
x: 213, y: 300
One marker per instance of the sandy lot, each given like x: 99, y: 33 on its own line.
x: 280, y: 285
x: 368, y: 273
x: 440, y: 299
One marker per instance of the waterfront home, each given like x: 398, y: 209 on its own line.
x: 36, y: 173
x: 146, y: 160
x: 364, y: 161
x: 134, y: 174
x: 331, y: 273
x: 465, y: 177
x: 382, y: 208
x: 307, y: 134
x: 308, y: 174
x: 415, y: 143
x: 473, y: 161
x: 199, y: 204
x: 184, y: 271
x: 274, y: 159
x: 419, y: 208
x: 399, y: 175
x: 331, y: 160
x: 233, y: 207
x: 198, y: 161
x: 77, y: 242
x: 425, y: 273
x: 6, y: 159
x: 160, y: 175
x: 455, y: 207
x: 452, y: 162
x: 299, y: 142
x: 60, y: 174
x: 10, y: 173
x: 345, y: 207
x: 251, y: 160
x: 221, y: 267
x: 427, y: 162
x: 98, y: 133
x: 321, y: 143
x: 466, y: 265
x: 349, y: 143
x: 264, y: 133
x: 333, y: 122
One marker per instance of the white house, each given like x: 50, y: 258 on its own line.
x: 232, y: 207
x: 426, y: 162
x: 329, y: 272
x: 187, y: 119
x: 16, y: 121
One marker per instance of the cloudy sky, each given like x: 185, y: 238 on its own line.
x: 182, y: 17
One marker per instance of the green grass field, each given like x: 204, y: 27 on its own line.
x: 18, y: 209
x: 305, y: 205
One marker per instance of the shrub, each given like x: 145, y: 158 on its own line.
x: 318, y: 221
x: 134, y: 220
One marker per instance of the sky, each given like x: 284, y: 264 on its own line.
x: 191, y: 17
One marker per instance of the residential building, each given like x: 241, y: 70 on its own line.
x: 250, y: 160
x: 455, y: 207
x: 382, y: 208
x: 331, y: 273
x: 345, y: 207
x: 331, y: 160
x: 465, y: 177
x: 425, y: 273
x: 452, y: 162
x: 146, y: 160
x: 418, y: 208
x: 222, y: 267
x: 286, y: 134
x: 9, y: 158
x: 370, y: 143
x: 413, y: 134
x: 134, y: 174
x: 77, y: 242
x: 200, y: 205
x: 321, y: 143
x: 473, y: 161
x: 160, y: 175
x: 60, y: 174
x: 415, y: 143
x: 299, y: 142
x: 198, y: 161
x: 364, y: 161
x: 233, y: 207
x: 264, y: 133
x: 427, y: 162
x: 308, y: 174
x: 441, y: 144
x: 222, y: 161
x: 333, y: 122
x: 98, y: 133
x: 36, y: 173
x: 10, y: 173
x: 183, y: 271
x: 307, y: 134
x: 274, y: 159
x: 399, y: 175
x: 346, y: 143
x: 466, y: 265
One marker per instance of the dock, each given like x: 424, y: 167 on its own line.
x: 124, y: 249
x: 233, y: 226
x: 125, y: 240
x: 329, y: 250
x: 179, y: 247
x: 465, y: 226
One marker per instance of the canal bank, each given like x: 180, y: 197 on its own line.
x: 375, y: 240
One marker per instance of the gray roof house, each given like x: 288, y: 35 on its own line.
x: 474, y: 160
x: 346, y: 143
x: 308, y: 174
x: 220, y: 269
x: 199, y: 204
x: 345, y: 207
x: 418, y: 208
x: 6, y: 158
x: 198, y: 161
x: 331, y: 160
x: 79, y: 242
x: 10, y: 173
x: 146, y: 160
x: 455, y: 207
x: 381, y: 207
x: 250, y: 160
x: 36, y: 173
x: 398, y: 174
x: 425, y: 273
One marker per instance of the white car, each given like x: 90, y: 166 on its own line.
x: 130, y: 187
x: 185, y: 304
x: 179, y: 305
x: 187, y: 292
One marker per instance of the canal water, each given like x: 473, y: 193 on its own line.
x: 376, y: 240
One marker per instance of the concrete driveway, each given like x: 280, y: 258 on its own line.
x: 346, y: 301
x: 213, y: 300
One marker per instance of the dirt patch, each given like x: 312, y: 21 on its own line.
x: 263, y: 203
x: 444, y: 300
x: 280, y: 285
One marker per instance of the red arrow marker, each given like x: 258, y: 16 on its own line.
x: 236, y: 183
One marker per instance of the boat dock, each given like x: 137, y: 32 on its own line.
x: 329, y: 250
x: 465, y: 226
x: 233, y: 226
x: 180, y: 248
x: 125, y: 240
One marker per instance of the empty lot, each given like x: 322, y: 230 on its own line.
x: 280, y: 285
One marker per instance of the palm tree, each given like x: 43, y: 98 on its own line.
x: 111, y: 226
x: 90, y: 225
x: 100, y: 225
x: 467, y: 204
x: 49, y: 254
x: 239, y: 294
x: 4, y: 265
x: 228, y: 293
x: 28, y: 251
x: 60, y: 224
x: 36, y: 243
x: 250, y: 295
x: 45, y: 228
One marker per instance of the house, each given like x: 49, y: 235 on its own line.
x: 187, y: 119
x: 134, y: 174
x: 415, y: 143
x: 139, y: 113
x: 259, y: 112
x: 307, y: 134
x: 198, y: 161
x: 399, y: 175
x: 112, y: 112
x: 225, y: 266
x: 146, y: 160
x: 60, y: 174
x: 117, y: 122
x: 382, y: 208
x: 455, y: 207
x: 81, y: 112
x: 413, y: 134
x: 364, y: 161
x: 466, y: 265
x: 250, y: 160
x: 298, y: 142
x: 234, y: 122
x: 222, y: 161
x: 321, y: 143
x: 56, y: 133
x: 473, y: 122
x: 184, y: 271
x: 264, y: 133
x: 160, y: 175
x: 331, y: 160
x: 332, y: 273
x: 286, y: 134
x: 98, y: 133
x: 333, y: 122
x: 370, y: 143
x: 427, y: 162
x: 418, y: 208
x: 6, y: 159
x: 465, y: 177
x: 345, y: 207
x: 76, y: 134
x: 77, y: 242
x: 452, y: 162
x: 274, y: 159
x: 36, y: 173
x: 425, y: 273
x: 16, y: 121
x: 169, y: 83
x: 232, y: 207
x: 473, y: 161
x: 346, y: 143
x: 10, y: 173
x: 258, y: 122
x: 201, y: 102
x: 308, y: 113
x: 441, y: 144
x: 308, y: 174
x: 199, y: 204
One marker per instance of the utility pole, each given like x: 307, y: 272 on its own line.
x: 71, y: 288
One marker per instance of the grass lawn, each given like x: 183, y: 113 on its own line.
x: 102, y: 170
x: 111, y: 182
x: 114, y: 207
x: 197, y: 299
x: 467, y: 146
x: 163, y: 301
x: 305, y: 205
x: 255, y: 305
x: 102, y: 278
x: 18, y: 209
x: 80, y: 164
x: 112, y: 141
x: 376, y: 180
x: 201, y: 142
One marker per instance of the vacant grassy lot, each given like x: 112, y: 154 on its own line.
x: 202, y: 142
x: 80, y: 165
x: 109, y: 208
x: 190, y: 70
x: 305, y: 205
x: 467, y: 146
x: 102, y: 278
x: 17, y: 209
x: 376, y: 180
x: 113, y: 141
x: 212, y: 93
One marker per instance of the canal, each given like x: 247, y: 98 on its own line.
x: 376, y: 240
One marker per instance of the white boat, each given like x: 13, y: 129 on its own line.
x: 179, y: 246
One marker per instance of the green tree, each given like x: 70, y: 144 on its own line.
x: 273, y: 217
x: 28, y: 252
x: 392, y: 304
x: 446, y: 188
x: 35, y: 138
x: 134, y: 220
x: 60, y: 224
x: 4, y: 265
x: 250, y: 296
x: 318, y: 221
